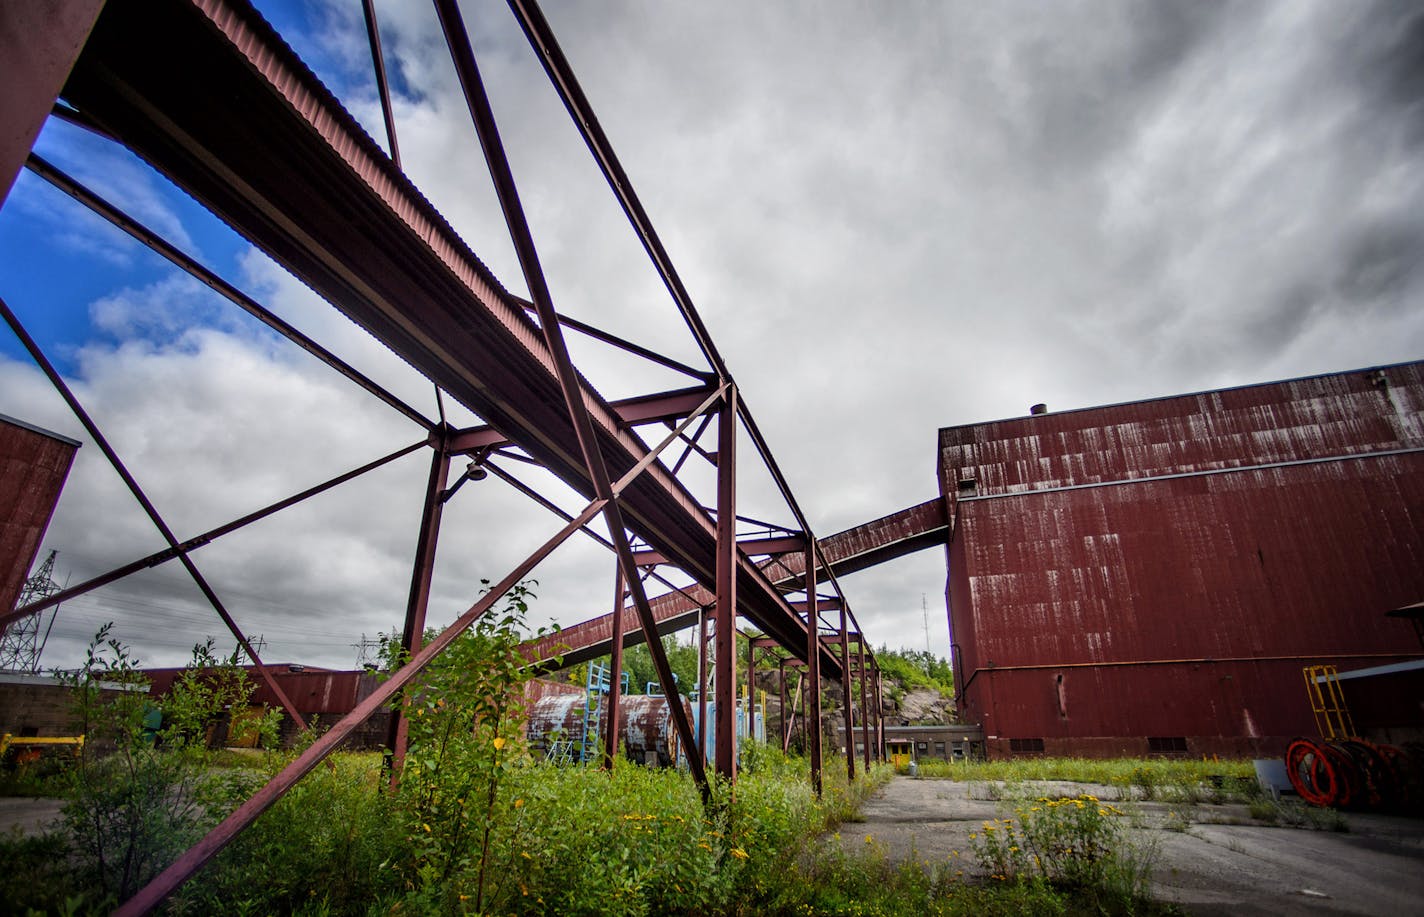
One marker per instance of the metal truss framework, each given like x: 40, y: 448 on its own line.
x: 209, y: 95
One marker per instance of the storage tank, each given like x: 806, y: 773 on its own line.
x: 557, y: 728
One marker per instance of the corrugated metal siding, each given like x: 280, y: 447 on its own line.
x: 1217, y: 572
x: 33, y: 467
x: 313, y: 692
x: 1323, y: 416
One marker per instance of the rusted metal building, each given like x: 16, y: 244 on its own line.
x: 1152, y: 577
x: 33, y: 466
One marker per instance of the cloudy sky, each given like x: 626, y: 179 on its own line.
x: 893, y: 218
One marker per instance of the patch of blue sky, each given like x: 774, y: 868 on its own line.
x: 76, y: 281
x: 67, y: 271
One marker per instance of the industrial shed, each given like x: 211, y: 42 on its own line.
x: 33, y: 466
x: 1153, y: 577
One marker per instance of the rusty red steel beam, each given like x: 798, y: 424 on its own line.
x: 895, y: 535
x: 149, y: 509
x: 643, y: 409
x: 544, y: 43
x: 847, y: 701
x: 546, y: 47
x: 364, y: 239
x: 615, y: 676
x: 598, y: 334
x: 571, y: 385
x: 198, y: 541
x: 190, y: 862
x: 422, y: 572
x: 166, y: 882
x: 752, y: 547
x: 728, y: 552
x: 905, y: 531
x: 378, y: 62
x: 813, y: 676
x: 864, y: 709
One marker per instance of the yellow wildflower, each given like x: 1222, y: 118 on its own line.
x: 498, y: 742
x: 741, y: 854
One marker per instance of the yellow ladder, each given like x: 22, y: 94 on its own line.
x: 1332, y: 716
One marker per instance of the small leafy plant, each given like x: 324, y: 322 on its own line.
x: 1073, y: 842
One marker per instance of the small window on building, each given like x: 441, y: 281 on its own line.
x: 1166, y: 745
x: 922, y: 746
x: 1026, y: 746
x: 967, y: 487
x: 29, y: 732
x: 939, y: 750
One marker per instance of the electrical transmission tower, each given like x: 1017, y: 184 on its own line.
x: 20, y: 641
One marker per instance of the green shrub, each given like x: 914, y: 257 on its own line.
x: 1072, y: 842
x: 143, y: 789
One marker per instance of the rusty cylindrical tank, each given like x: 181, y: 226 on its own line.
x: 556, y: 728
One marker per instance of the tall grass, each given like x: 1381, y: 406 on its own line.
x: 1166, y: 779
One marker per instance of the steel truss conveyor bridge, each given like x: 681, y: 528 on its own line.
x: 211, y: 96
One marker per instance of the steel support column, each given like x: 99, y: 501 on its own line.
x: 725, y: 675
x: 801, y: 692
x: 422, y: 570
x: 812, y: 719
x: 751, y: 688
x: 781, y: 695
x: 864, y: 708
x: 701, y: 682
x: 879, y: 717
x: 847, y: 701
x: 615, y: 678
x: 149, y: 509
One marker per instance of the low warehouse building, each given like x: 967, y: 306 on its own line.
x: 1153, y: 577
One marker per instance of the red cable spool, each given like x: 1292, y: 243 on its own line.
x: 1350, y: 786
x: 1311, y: 773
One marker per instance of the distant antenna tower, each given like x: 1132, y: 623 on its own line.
x: 20, y: 642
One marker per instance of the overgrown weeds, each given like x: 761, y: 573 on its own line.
x: 1182, y: 780
x: 1079, y: 843
x: 1290, y: 813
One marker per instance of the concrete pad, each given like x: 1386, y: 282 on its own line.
x: 29, y: 815
x: 1223, y: 863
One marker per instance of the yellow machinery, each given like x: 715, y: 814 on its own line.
x: 17, y: 751
x: 1332, y: 716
